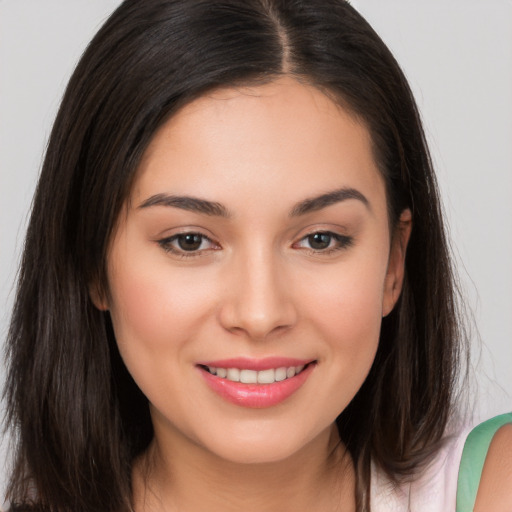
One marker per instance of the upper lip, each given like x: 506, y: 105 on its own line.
x: 245, y: 363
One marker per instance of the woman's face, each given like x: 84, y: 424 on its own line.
x: 255, y: 242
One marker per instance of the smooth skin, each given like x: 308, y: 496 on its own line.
x: 495, y: 491
x: 257, y: 272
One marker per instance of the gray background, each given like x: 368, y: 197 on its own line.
x: 457, y: 55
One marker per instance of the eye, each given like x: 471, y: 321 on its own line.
x: 183, y: 243
x: 319, y: 241
x: 325, y: 241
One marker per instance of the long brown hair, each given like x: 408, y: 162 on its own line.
x: 78, y: 418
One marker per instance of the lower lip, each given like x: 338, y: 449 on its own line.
x: 256, y: 396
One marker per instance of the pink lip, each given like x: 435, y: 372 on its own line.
x: 255, y: 396
x: 266, y: 363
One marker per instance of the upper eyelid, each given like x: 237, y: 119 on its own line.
x: 337, y: 231
x: 183, y: 230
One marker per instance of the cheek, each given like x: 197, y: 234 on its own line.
x: 156, y: 313
x: 155, y: 309
x: 348, y: 301
x: 353, y: 330
x: 345, y: 308
x: 138, y: 308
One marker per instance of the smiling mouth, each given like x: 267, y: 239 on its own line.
x: 245, y: 376
x: 256, y: 383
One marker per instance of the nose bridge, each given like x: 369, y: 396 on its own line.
x: 260, y: 302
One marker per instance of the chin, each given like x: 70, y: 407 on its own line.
x: 266, y: 448
x: 257, y: 453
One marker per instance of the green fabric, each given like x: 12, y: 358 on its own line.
x: 473, y: 458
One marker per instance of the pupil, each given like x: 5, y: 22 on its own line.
x: 189, y: 242
x: 319, y: 240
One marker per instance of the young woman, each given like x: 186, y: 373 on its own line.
x: 236, y: 290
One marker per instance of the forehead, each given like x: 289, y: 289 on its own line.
x: 283, y: 139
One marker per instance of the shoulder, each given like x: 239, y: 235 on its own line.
x: 448, y: 479
x: 485, y: 470
x: 495, y: 490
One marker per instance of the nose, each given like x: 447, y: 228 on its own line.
x: 257, y: 297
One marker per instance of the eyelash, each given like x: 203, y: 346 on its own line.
x: 166, y: 245
x: 341, y: 242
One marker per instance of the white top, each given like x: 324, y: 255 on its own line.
x: 434, y: 490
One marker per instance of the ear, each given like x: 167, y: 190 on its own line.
x: 98, y: 297
x: 396, y: 264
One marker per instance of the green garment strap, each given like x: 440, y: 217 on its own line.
x: 473, y: 458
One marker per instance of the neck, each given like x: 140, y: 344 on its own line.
x: 318, y: 477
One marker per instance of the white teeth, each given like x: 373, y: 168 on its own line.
x: 233, y: 374
x: 280, y: 374
x: 248, y: 376
x: 266, y: 376
x: 254, y: 377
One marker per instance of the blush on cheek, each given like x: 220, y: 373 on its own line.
x: 348, y: 313
x: 155, y: 307
x: 353, y: 299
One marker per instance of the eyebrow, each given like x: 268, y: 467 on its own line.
x: 314, y: 204
x: 189, y: 203
x: 215, y: 209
